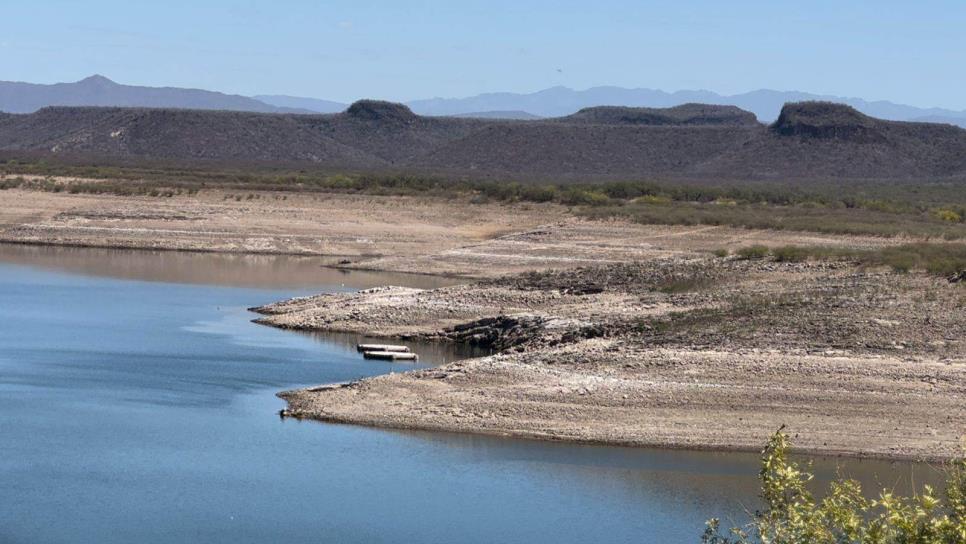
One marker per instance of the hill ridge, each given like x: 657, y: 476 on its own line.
x: 811, y: 140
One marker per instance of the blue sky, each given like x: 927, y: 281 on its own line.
x: 910, y: 52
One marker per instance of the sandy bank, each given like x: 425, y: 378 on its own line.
x: 395, y: 234
x: 864, y: 363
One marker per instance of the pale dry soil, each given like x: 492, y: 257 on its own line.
x: 854, y: 362
x: 403, y: 234
x: 349, y: 227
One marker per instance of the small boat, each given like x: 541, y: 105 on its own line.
x: 391, y: 355
x: 382, y: 347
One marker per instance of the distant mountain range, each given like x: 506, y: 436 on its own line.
x: 765, y: 104
x: 315, y: 105
x: 16, y: 97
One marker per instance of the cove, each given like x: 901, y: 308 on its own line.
x: 137, y: 403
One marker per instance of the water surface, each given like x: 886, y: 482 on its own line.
x: 144, y: 411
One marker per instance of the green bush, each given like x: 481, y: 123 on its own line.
x: 927, y: 208
x: 654, y: 200
x: 934, y: 258
x: 584, y: 197
x: 753, y: 252
x: 538, y: 193
x: 790, y: 254
x: 950, y: 216
x: 845, y: 516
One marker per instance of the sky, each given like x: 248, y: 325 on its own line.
x: 907, y: 52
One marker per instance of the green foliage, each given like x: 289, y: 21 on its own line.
x: 791, y: 254
x: 539, y: 193
x: 950, y: 216
x: 791, y: 515
x: 584, y: 197
x: 753, y: 252
x: 935, y: 258
x: 654, y: 200
x: 925, y: 208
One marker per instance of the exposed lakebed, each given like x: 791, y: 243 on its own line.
x: 137, y: 403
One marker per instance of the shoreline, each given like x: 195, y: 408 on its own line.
x: 698, y: 447
x: 607, y: 332
x: 569, y: 369
x: 240, y: 253
x: 422, y: 235
x: 312, y: 395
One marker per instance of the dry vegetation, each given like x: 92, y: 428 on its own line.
x: 922, y: 209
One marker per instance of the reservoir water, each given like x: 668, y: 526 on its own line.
x: 137, y: 404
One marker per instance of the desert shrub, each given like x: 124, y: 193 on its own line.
x: 584, y: 197
x: 791, y: 514
x: 949, y: 215
x: 338, y: 181
x: 623, y: 190
x: 900, y: 262
x: 538, y: 193
x: 933, y: 258
x: 753, y: 252
x: 653, y: 200
x: 945, y: 266
x: 883, y: 206
x: 11, y: 183
x: 927, y: 208
x: 720, y: 252
x: 500, y: 191
x: 480, y: 199
x: 791, y: 254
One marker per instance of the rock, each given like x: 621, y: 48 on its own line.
x: 885, y: 322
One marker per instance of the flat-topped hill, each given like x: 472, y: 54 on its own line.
x: 380, y: 110
x: 826, y: 120
x: 685, y: 114
x: 809, y: 140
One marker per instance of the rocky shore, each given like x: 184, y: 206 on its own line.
x: 698, y: 352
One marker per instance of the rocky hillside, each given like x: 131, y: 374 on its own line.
x: 809, y: 140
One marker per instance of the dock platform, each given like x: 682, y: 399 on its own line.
x: 382, y: 347
x: 391, y: 355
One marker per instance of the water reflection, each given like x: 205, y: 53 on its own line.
x: 689, y: 475
x: 267, y: 271
x: 431, y: 353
